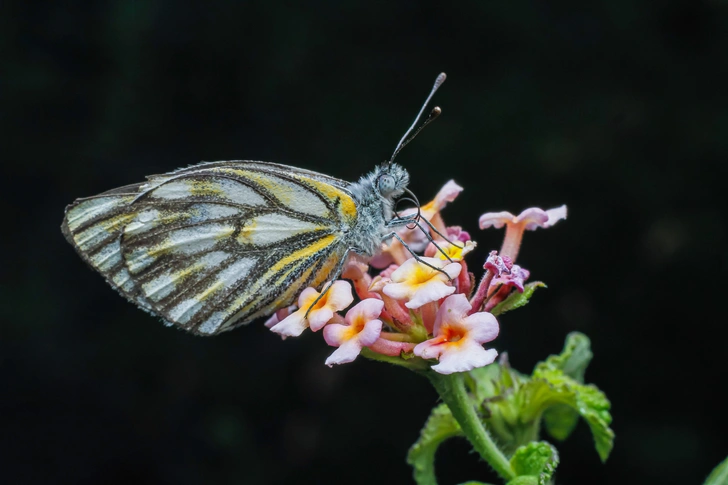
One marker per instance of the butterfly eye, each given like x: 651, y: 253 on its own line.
x: 386, y: 185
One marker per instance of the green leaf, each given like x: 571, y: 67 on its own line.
x: 517, y: 299
x: 439, y: 426
x: 560, y: 420
x: 537, y: 459
x: 493, y: 380
x: 719, y: 476
x: 483, y: 382
x: 575, y: 357
x: 550, y: 387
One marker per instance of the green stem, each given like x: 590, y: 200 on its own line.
x: 451, y: 389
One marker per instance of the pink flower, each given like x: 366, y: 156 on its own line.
x: 498, y: 265
x: 529, y: 219
x: 456, y: 233
x: 419, y: 284
x: 362, y: 329
x: 431, y: 210
x: 458, y: 337
x: 516, y: 277
x: 337, y: 298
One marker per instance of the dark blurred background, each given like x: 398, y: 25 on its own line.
x: 617, y: 108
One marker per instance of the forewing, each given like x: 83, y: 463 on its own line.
x: 217, y: 245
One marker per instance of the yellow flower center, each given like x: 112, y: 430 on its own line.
x: 422, y: 274
x: 357, y: 325
x: 319, y: 305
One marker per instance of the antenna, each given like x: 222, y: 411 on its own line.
x: 409, y: 135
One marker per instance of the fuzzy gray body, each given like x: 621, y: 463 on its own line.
x: 375, y: 208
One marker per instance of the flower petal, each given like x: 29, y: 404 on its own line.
x: 456, y: 233
x: 368, y: 309
x: 320, y: 317
x: 495, y: 219
x: 336, y: 334
x: 291, y: 326
x: 430, y: 349
x: 347, y: 352
x: 381, y: 260
x: 532, y: 217
x: 452, y: 311
x: 482, y: 327
x: 470, y: 355
x: 370, y: 333
x: 430, y: 292
x: 339, y: 295
x: 555, y: 215
x: 307, y: 297
x: 535, y: 217
x: 447, y: 193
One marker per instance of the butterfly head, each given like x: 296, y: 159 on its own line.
x: 391, y: 180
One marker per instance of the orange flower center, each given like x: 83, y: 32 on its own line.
x: 454, y: 334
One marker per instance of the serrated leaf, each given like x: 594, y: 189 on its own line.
x: 517, y: 299
x: 574, y: 358
x: 537, y: 459
x: 719, y: 475
x: 560, y: 420
x: 439, y: 427
x: 550, y: 387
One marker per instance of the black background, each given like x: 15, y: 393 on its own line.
x: 617, y: 108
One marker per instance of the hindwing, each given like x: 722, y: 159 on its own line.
x: 218, y: 244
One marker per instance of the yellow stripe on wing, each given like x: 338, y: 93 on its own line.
x: 303, y: 256
x: 347, y: 209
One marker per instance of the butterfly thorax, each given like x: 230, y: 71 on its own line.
x: 375, y: 194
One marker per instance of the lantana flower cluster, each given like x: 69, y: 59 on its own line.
x: 425, y: 306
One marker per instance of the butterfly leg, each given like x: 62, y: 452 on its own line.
x: 437, y: 246
x: 415, y: 220
x: 436, y: 232
x: 414, y: 255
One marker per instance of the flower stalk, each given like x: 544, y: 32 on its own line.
x: 451, y: 389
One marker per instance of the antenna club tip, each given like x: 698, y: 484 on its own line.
x: 436, y: 110
x: 440, y: 78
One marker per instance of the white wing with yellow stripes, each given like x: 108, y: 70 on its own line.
x: 218, y: 244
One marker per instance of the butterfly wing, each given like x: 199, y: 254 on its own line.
x: 94, y: 225
x: 216, y: 245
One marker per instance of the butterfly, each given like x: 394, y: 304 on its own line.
x: 216, y: 245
